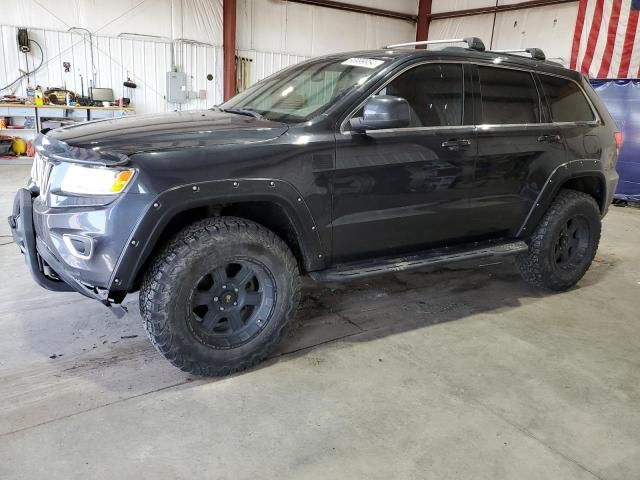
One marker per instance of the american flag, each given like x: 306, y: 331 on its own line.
x: 606, y: 42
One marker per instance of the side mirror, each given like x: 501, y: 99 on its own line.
x: 383, y: 111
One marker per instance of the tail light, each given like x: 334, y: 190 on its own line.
x: 619, y: 140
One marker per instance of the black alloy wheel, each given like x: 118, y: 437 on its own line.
x: 564, y: 243
x: 572, y: 243
x: 231, y: 304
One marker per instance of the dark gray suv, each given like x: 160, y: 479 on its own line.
x: 340, y: 167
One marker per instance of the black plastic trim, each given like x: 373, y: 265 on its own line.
x: 560, y: 175
x: 207, y: 194
x: 22, y: 231
x: 368, y: 268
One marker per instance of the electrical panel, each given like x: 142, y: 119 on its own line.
x: 177, y: 91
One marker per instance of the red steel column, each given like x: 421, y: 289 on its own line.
x: 229, y: 47
x: 424, y: 18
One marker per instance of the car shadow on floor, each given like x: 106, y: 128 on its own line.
x: 394, y: 303
x: 99, y: 347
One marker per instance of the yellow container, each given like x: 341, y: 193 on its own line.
x: 39, y: 101
x: 19, y: 146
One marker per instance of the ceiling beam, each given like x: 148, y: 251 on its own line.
x: 350, y: 7
x: 497, y: 9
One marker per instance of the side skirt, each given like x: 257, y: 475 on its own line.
x: 355, y: 270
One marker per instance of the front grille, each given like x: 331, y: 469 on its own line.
x: 37, y: 169
x: 40, y: 172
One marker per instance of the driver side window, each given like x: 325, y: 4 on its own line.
x: 434, y: 94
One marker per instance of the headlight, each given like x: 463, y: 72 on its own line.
x: 84, y: 180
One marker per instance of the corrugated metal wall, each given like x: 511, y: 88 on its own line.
x: 144, y: 61
x: 549, y: 28
x: 266, y: 63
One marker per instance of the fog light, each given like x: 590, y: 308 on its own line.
x: 79, y: 245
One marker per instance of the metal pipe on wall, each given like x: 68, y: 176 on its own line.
x: 229, y: 47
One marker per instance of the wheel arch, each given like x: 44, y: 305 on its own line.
x: 273, y: 204
x: 591, y: 184
x: 582, y: 175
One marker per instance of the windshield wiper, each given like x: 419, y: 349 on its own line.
x: 242, y: 111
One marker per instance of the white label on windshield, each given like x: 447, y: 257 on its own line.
x: 363, y: 62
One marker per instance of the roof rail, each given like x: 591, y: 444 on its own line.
x: 536, y: 53
x: 474, y: 43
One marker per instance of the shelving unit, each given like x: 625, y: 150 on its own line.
x: 15, y: 111
x: 43, y: 113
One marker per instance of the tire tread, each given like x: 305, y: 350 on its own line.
x: 532, y: 264
x: 159, y: 282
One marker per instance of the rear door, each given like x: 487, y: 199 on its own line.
x: 517, y: 143
x: 405, y: 189
x: 571, y: 112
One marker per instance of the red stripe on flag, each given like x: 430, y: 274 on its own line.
x: 611, y: 40
x: 582, y: 11
x: 627, y: 49
x: 593, y: 37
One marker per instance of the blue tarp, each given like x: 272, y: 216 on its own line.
x: 622, y: 98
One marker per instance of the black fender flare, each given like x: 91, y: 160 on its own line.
x: 173, y: 201
x: 554, y: 183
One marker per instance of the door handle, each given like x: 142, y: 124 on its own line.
x: 456, y: 144
x: 549, y: 138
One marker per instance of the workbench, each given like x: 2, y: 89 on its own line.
x: 40, y: 112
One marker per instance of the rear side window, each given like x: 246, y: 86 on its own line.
x: 508, y: 97
x: 566, y: 100
x: 434, y: 93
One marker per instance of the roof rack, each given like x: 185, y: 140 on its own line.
x: 536, y: 53
x: 474, y: 43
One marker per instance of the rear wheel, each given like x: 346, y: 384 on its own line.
x: 564, y: 244
x: 216, y: 298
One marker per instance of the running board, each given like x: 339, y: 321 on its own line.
x: 355, y: 270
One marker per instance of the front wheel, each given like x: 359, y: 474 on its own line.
x: 564, y: 244
x: 216, y: 299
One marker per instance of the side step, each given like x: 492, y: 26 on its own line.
x: 366, y: 268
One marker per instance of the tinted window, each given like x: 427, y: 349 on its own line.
x: 434, y: 93
x: 566, y: 100
x: 508, y: 96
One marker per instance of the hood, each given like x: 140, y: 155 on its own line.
x: 153, y: 132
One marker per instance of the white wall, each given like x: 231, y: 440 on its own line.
x: 199, y: 20
x: 277, y: 33
x: 280, y: 26
x: 274, y: 33
x: 549, y: 28
x: 144, y: 59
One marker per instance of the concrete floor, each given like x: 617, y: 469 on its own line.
x: 462, y: 373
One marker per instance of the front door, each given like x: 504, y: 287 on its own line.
x: 407, y: 189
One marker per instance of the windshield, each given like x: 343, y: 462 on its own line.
x: 303, y: 91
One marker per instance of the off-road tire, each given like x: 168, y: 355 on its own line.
x: 538, y: 266
x: 168, y: 285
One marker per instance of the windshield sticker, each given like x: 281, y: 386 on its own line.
x: 363, y: 62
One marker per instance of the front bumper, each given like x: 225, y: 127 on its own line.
x: 39, y: 232
x: 21, y: 223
